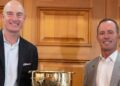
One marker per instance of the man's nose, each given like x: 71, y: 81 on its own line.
x: 106, y: 35
x: 15, y: 17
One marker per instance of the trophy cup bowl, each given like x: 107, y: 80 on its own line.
x: 51, y: 78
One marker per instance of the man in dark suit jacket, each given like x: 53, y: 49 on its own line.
x: 15, y: 52
x: 104, y: 69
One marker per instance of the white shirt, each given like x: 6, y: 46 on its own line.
x: 105, y: 68
x: 11, y: 63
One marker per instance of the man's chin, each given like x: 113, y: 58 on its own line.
x: 14, y: 31
x: 107, y: 49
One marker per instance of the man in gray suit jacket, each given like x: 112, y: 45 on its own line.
x: 104, y: 70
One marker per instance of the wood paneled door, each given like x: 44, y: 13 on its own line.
x: 64, y: 32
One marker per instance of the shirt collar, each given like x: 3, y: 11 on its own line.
x: 5, y: 41
x: 112, y: 57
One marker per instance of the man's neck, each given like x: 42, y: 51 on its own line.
x: 106, y: 54
x: 10, y: 37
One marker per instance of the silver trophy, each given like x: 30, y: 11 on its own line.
x: 51, y: 78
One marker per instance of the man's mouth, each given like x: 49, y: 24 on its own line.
x: 14, y: 24
x: 107, y: 42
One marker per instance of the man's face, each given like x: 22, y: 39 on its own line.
x: 13, y: 17
x: 107, y: 36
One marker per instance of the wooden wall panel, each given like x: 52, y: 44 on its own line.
x: 112, y: 9
x: 63, y: 26
x: 64, y: 3
x: 1, y: 16
x: 2, y: 2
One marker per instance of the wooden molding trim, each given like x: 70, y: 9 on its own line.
x: 63, y: 61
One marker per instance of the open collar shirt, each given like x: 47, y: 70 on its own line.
x: 105, y: 68
x: 11, y: 62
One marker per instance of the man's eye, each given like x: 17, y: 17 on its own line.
x: 101, y: 33
x: 9, y: 13
x: 19, y: 14
x: 110, y: 32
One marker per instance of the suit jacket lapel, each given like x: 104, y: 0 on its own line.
x: 2, y: 60
x: 21, y: 56
x: 2, y: 57
x: 115, y: 74
x: 93, y: 72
